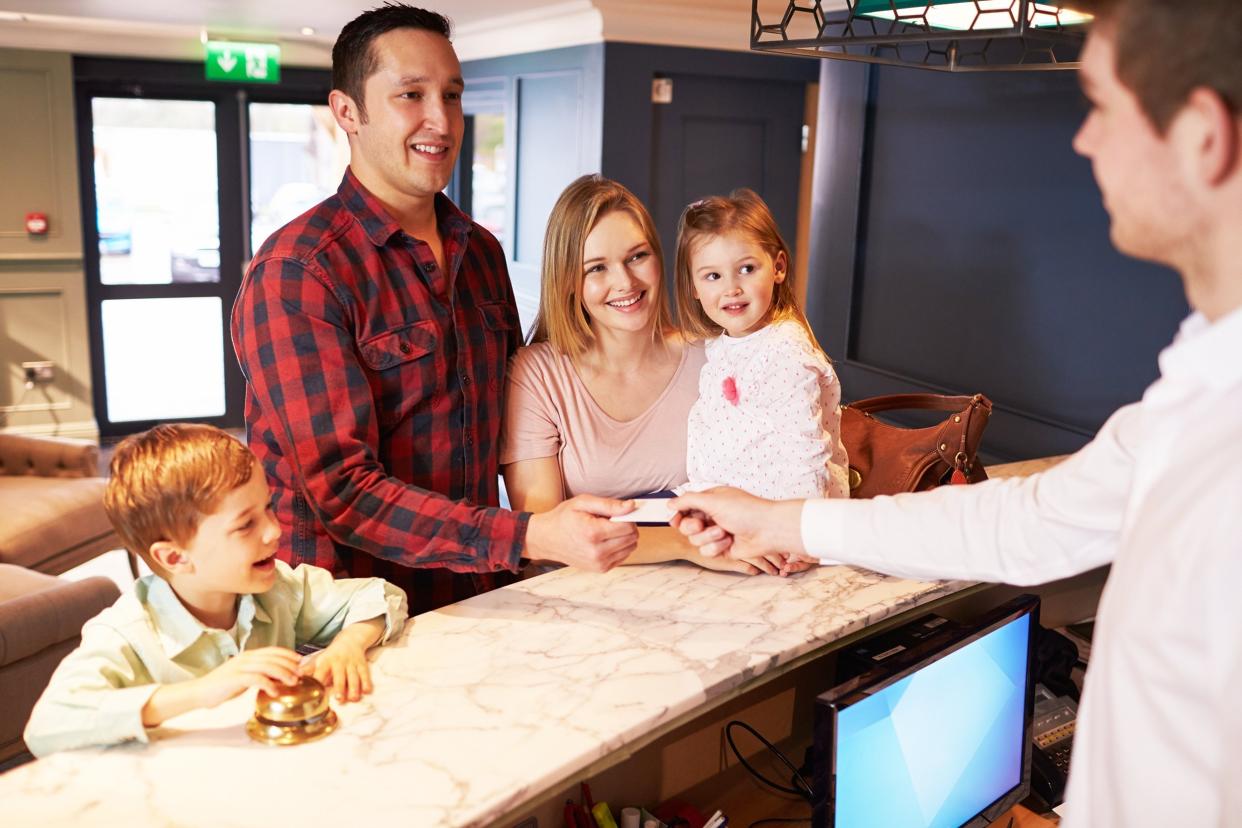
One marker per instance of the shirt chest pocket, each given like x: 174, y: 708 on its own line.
x: 404, y: 369
x: 500, y: 320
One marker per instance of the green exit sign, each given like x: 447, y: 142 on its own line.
x: 230, y: 60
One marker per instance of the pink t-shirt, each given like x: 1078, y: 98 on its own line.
x: 549, y: 412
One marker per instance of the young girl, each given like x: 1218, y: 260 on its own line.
x: 597, y: 402
x: 768, y: 416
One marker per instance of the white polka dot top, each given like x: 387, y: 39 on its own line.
x: 768, y: 418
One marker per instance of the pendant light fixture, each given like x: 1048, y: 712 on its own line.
x: 944, y: 35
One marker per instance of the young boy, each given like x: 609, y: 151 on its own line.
x: 220, y: 614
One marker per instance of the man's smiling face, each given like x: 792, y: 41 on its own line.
x: 409, y: 141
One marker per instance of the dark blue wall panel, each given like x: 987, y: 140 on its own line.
x: 553, y: 106
x: 628, y: 111
x: 959, y: 244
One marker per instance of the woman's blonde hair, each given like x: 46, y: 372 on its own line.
x: 745, y: 213
x: 562, y: 320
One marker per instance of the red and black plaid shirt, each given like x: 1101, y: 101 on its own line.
x: 373, y: 396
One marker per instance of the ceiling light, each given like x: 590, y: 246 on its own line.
x: 308, y: 31
x: 947, y: 35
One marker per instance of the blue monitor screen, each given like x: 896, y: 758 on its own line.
x: 940, y: 745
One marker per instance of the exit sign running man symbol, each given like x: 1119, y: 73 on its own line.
x: 236, y: 62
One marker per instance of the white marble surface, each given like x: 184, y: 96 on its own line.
x: 478, y: 708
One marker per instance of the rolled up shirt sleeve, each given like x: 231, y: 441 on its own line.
x: 327, y: 605
x: 94, y: 698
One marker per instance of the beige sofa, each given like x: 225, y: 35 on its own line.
x: 51, y: 503
x: 51, y: 520
x: 41, y: 618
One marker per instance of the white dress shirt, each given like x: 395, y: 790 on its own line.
x: 1158, y: 493
x: 768, y: 418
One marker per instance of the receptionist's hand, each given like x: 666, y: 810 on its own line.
x: 743, y: 525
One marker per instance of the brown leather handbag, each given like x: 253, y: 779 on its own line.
x: 888, y: 459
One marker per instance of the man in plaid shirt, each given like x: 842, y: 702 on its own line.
x: 373, y: 332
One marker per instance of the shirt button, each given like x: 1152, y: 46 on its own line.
x: 405, y: 347
x: 431, y: 266
x: 465, y: 380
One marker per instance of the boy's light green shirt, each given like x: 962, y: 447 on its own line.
x: 148, y: 638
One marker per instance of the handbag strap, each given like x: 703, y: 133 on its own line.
x: 925, y: 402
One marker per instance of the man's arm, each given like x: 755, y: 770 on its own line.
x: 295, y: 344
x: 1048, y: 526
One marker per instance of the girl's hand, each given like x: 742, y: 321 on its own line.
x: 795, y: 565
x: 772, y: 563
x: 723, y: 563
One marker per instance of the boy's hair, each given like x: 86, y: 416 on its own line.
x: 745, y: 213
x: 1168, y: 48
x: 165, y: 480
x: 562, y: 320
x: 353, y: 59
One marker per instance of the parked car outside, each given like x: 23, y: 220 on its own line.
x: 291, y: 199
x: 196, y: 260
x: 115, y: 226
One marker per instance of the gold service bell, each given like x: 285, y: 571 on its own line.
x: 298, y: 715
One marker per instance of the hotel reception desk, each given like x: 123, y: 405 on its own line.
x: 490, y: 711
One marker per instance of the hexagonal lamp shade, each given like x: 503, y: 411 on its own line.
x: 944, y: 35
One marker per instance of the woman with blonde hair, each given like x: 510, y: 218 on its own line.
x: 597, y: 402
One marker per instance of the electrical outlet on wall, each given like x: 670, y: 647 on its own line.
x: 39, y: 373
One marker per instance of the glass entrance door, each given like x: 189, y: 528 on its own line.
x: 181, y: 180
x: 157, y: 222
x: 297, y: 157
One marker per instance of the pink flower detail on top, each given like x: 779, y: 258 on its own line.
x: 730, y: 390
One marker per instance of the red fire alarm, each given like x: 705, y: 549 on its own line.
x: 36, y: 224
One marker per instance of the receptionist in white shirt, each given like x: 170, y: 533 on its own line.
x: 1157, y: 493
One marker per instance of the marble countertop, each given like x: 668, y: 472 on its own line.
x: 478, y: 707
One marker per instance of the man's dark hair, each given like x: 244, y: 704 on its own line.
x: 353, y: 59
x: 1168, y: 48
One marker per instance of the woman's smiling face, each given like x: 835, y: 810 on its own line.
x: 620, y: 275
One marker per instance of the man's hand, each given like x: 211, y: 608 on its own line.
x: 729, y: 520
x: 342, y: 665
x: 578, y: 532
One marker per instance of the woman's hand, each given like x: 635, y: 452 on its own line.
x: 723, y: 563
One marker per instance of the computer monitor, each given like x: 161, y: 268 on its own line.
x: 938, y: 736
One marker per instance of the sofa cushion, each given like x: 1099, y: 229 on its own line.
x: 44, y: 516
x: 38, y: 611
